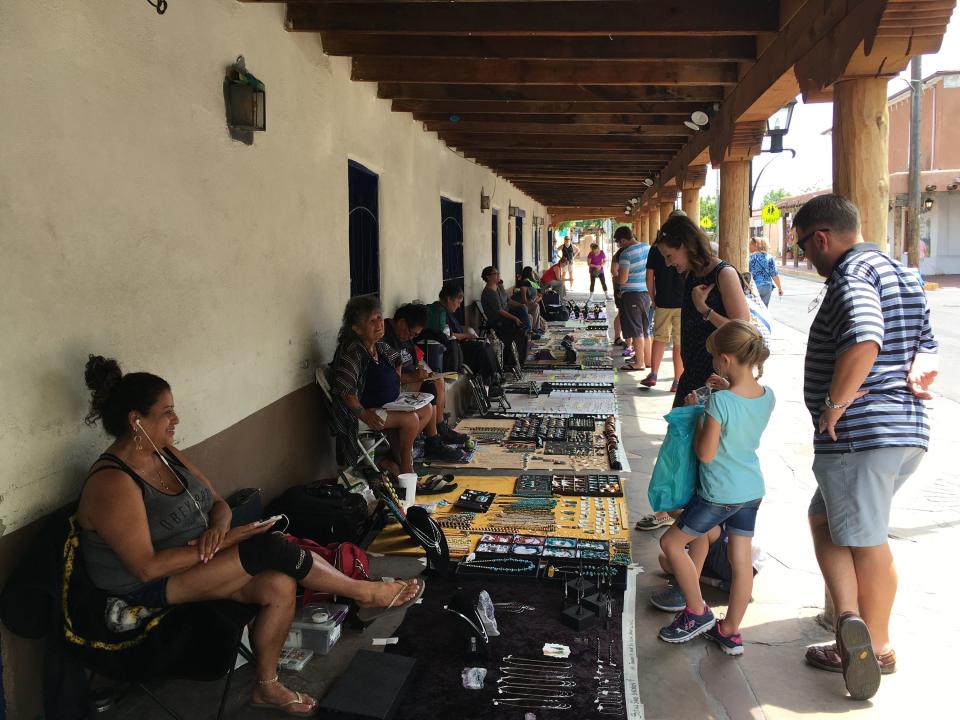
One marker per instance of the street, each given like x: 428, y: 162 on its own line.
x: 792, y: 310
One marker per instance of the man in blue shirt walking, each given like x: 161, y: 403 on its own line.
x: 634, y: 299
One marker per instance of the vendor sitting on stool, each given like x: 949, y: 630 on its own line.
x: 154, y: 532
x: 366, y: 376
x: 408, y: 322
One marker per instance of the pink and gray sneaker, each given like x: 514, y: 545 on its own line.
x: 730, y: 644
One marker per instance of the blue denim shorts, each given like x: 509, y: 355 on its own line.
x: 701, y: 515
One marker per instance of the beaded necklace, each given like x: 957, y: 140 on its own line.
x: 504, y: 565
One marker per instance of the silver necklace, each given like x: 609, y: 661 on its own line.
x: 478, y: 626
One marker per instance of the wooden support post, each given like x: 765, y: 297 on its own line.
x: 644, y: 227
x: 860, y: 148
x: 897, y: 252
x: 665, y: 209
x: 734, y: 212
x: 690, y: 184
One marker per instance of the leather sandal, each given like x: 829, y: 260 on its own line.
x: 297, y: 699
x: 827, y: 657
x: 861, y: 671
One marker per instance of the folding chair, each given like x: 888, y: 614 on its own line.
x: 358, y: 453
x: 484, y: 327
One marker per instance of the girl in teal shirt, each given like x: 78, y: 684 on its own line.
x: 731, y: 485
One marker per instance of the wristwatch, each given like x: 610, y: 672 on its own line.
x: 836, y: 406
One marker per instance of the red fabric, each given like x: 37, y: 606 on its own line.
x: 345, y: 557
x: 551, y: 274
x: 420, y: 353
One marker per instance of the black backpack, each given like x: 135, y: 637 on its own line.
x: 324, y: 513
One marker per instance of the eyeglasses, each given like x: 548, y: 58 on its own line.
x: 801, y: 243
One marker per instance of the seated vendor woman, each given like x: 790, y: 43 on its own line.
x: 154, y: 532
x: 366, y: 376
x: 408, y: 322
x: 504, y: 317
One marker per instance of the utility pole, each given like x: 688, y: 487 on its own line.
x: 913, y: 179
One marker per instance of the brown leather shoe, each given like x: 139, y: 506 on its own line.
x: 826, y: 657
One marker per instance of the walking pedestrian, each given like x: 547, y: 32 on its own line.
x: 568, y: 251
x: 871, y: 356
x: 763, y: 268
x: 634, y: 300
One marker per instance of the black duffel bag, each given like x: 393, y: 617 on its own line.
x: 323, y: 512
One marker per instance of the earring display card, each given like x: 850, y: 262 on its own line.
x: 475, y: 500
x: 496, y: 538
x: 520, y: 549
x: 587, y: 485
x: 561, y: 542
x: 533, y: 485
x: 492, y: 549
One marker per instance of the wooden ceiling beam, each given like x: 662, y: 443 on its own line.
x: 614, y: 119
x: 598, y: 180
x: 551, y: 19
x: 507, y: 141
x: 678, y: 132
x: 708, y: 49
x: 585, y: 110
x: 549, y: 93
x: 478, y: 71
x: 595, y: 155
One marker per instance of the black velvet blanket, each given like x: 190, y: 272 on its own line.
x: 437, y: 640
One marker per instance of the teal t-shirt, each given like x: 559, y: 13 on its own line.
x: 734, y: 476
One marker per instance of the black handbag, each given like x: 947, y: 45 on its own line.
x: 323, y: 512
x: 247, y: 506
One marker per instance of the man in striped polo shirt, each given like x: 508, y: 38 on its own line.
x: 870, y: 357
x: 634, y: 298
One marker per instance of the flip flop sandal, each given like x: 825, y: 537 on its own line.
x: 629, y: 367
x: 368, y: 615
x: 435, y: 484
x: 300, y: 699
x: 861, y: 671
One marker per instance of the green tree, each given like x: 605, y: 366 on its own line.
x: 773, y: 195
x: 708, y: 213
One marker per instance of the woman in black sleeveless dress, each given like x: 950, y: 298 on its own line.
x: 712, y: 294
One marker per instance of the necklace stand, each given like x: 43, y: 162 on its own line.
x: 597, y: 602
x: 578, y: 617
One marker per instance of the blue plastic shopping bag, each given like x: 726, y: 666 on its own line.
x: 675, y: 474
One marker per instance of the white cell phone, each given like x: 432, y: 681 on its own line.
x: 268, y: 521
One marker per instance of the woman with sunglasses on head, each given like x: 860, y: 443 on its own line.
x: 712, y: 295
x: 506, y: 319
x: 155, y: 533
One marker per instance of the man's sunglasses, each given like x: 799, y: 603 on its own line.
x: 802, y: 242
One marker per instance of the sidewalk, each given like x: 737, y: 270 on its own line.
x: 770, y: 680
x: 931, y: 282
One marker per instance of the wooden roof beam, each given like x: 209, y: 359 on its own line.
x: 616, y: 47
x: 609, y: 119
x: 469, y: 71
x: 549, y: 93
x: 547, y: 155
x: 557, y: 18
x: 678, y: 132
x: 582, y: 110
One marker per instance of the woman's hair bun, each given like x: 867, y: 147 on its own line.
x: 101, y: 375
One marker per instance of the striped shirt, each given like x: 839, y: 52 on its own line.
x: 634, y: 258
x: 348, y: 377
x: 870, y: 297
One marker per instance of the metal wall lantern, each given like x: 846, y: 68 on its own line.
x: 778, y: 125
x: 927, y: 204
x: 484, y: 201
x: 514, y: 211
x: 246, y: 101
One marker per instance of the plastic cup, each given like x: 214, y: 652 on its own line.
x: 408, y: 483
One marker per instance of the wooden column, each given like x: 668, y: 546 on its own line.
x: 734, y: 212
x: 644, y: 234
x: 666, y: 207
x: 896, y: 251
x: 860, y: 147
x: 690, y: 185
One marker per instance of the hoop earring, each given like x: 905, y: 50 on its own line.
x: 138, y: 443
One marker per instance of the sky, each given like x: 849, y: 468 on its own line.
x: 811, y: 169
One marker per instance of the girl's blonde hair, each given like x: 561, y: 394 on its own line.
x: 762, y: 244
x: 741, y: 340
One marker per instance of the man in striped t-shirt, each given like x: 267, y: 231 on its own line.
x: 871, y: 355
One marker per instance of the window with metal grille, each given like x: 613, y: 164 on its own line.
x: 364, y: 230
x: 536, y: 248
x: 451, y: 234
x: 518, y: 245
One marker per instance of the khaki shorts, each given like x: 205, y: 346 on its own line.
x: 666, y: 322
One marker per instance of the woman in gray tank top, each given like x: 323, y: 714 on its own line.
x: 154, y: 531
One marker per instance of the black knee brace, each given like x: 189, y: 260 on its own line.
x: 272, y: 552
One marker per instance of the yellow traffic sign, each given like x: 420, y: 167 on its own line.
x: 706, y: 222
x: 770, y: 213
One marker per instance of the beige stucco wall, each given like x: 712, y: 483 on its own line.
x: 132, y: 226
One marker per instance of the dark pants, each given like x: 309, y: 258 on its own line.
x: 594, y: 274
